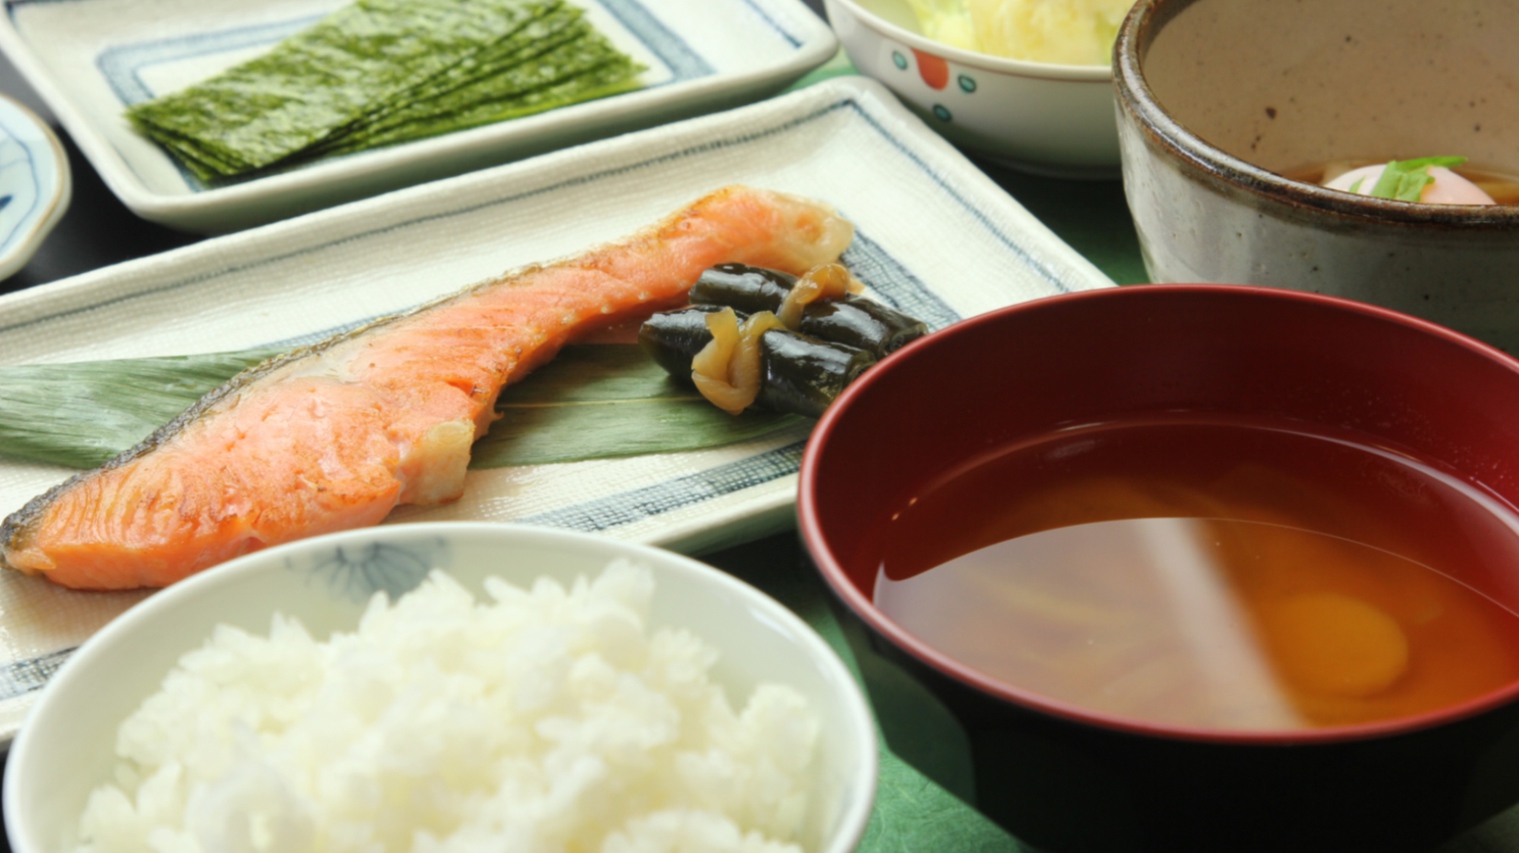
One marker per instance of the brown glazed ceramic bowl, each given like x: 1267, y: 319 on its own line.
x: 1219, y: 99
x: 1067, y: 778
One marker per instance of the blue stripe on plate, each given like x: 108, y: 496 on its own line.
x: 892, y: 283
x: 784, y: 33
x: 12, y: 5
x: 122, y: 65
x: 28, y: 164
x: 672, y: 50
x: 612, y: 511
x: 28, y: 676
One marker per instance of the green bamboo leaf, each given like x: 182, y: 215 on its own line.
x: 591, y: 402
x: 605, y: 401
x: 84, y: 413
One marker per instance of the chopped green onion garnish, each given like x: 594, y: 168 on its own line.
x: 1405, y: 180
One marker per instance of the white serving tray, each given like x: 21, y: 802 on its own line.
x: 936, y: 238
x: 89, y: 59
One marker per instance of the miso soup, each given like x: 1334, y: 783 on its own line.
x: 1213, y: 573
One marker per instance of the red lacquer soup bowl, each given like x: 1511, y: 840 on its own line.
x: 1066, y: 775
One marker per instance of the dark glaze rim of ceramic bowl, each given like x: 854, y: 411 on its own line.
x: 834, y: 574
x: 982, y: 61
x: 1145, y: 20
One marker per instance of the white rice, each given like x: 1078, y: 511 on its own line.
x: 549, y: 720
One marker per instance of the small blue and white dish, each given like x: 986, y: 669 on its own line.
x: 34, y: 184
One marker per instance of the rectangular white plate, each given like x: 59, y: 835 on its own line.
x: 89, y: 59
x: 935, y: 237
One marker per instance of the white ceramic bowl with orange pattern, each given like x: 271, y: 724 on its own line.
x: 1038, y: 117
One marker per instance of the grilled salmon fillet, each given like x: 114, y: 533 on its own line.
x: 336, y: 435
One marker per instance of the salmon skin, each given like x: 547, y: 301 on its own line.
x: 336, y: 435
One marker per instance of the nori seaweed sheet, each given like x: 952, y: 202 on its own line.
x: 578, y: 75
x: 380, y: 72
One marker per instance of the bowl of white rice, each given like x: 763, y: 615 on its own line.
x: 448, y: 687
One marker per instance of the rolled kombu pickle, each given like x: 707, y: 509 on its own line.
x: 854, y: 321
x: 862, y: 323
x: 743, y: 288
x: 673, y: 338
x: 801, y: 374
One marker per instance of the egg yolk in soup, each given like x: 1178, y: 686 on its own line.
x: 1212, y: 573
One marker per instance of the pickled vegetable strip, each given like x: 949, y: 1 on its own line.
x: 727, y: 371
x: 799, y: 374
x: 773, y: 341
x: 829, y: 282
x: 850, y: 320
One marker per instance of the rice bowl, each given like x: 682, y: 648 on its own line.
x: 64, y: 751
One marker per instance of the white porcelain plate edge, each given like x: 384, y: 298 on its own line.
x: 76, y: 72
